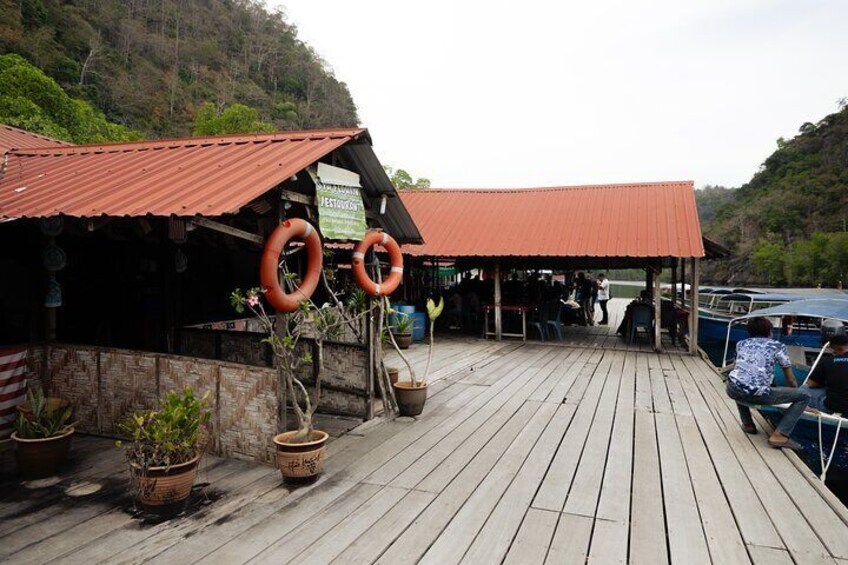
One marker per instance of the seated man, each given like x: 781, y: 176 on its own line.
x: 750, y: 383
x: 828, y: 383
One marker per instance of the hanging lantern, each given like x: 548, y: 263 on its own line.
x: 54, y: 293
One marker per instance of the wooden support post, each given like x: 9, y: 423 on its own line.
x: 371, y: 340
x: 674, y: 281
x: 649, y: 282
x: 693, y: 314
x: 657, y: 311
x: 498, y: 317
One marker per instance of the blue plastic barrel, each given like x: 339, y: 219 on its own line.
x: 404, y: 309
x: 419, y: 325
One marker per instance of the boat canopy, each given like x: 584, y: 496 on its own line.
x: 833, y: 308
x: 778, y: 297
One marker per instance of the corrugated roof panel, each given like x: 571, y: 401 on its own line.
x: 622, y: 220
x: 14, y: 138
x: 209, y: 176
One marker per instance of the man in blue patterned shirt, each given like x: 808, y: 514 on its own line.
x: 750, y: 382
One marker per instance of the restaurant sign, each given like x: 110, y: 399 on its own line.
x: 341, y: 213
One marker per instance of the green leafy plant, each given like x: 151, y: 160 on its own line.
x: 402, y: 323
x: 175, y: 433
x: 44, y: 423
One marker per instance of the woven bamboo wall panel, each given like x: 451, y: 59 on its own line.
x: 247, y: 412
x: 127, y: 385
x: 72, y: 374
x: 344, y: 366
x: 177, y: 373
x: 35, y: 365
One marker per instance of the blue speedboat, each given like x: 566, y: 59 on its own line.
x: 718, y: 307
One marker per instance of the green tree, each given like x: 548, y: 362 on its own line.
x: 238, y: 118
x: 403, y: 180
x: 31, y: 100
x: 768, y: 259
x: 152, y: 64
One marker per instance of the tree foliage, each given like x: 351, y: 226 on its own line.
x: 787, y: 224
x: 152, y: 64
x: 402, y: 179
x: 238, y: 118
x: 31, y: 100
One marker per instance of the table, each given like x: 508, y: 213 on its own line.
x: 517, y: 308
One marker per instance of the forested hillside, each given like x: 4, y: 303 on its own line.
x: 152, y: 64
x: 788, y: 224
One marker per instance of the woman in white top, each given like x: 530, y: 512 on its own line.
x: 603, y: 296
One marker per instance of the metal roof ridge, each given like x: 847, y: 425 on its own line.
x: 546, y: 188
x: 58, y: 142
x: 166, y: 143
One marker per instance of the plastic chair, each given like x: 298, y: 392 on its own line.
x: 539, y: 321
x: 554, y: 322
x: 641, y: 316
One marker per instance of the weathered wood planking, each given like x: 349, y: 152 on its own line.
x: 524, y: 454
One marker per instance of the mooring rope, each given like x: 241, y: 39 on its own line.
x: 824, y: 466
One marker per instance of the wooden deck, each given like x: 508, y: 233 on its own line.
x: 524, y: 454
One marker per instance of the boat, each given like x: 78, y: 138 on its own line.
x: 718, y: 306
x: 824, y: 436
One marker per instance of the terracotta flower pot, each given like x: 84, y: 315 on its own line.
x: 410, y: 398
x: 161, y: 488
x: 39, y: 458
x: 53, y: 404
x: 393, y: 374
x: 301, y: 462
x: 403, y: 340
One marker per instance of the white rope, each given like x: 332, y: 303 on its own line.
x: 824, y: 466
x: 816, y: 362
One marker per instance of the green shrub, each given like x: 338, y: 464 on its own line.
x: 173, y: 434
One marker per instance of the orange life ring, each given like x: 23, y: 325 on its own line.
x: 395, y: 277
x: 268, y: 277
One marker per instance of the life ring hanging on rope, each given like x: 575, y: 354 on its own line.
x: 390, y: 284
x: 269, y: 267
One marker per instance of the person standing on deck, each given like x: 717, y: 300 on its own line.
x: 750, y: 382
x: 603, y: 297
x: 586, y: 286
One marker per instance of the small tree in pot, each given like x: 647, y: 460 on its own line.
x: 411, y: 395
x: 164, y: 450
x: 300, y: 452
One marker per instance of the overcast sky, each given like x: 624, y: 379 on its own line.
x: 544, y: 93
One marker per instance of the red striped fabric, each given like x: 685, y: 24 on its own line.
x: 12, y: 386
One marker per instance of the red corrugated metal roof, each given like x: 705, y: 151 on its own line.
x: 11, y: 137
x: 620, y: 220
x: 184, y: 177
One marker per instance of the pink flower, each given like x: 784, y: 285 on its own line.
x: 252, y: 301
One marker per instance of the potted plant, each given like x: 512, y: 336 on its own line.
x: 301, y: 452
x: 164, y: 450
x: 42, y: 437
x: 402, y: 329
x: 393, y: 373
x: 411, y: 395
